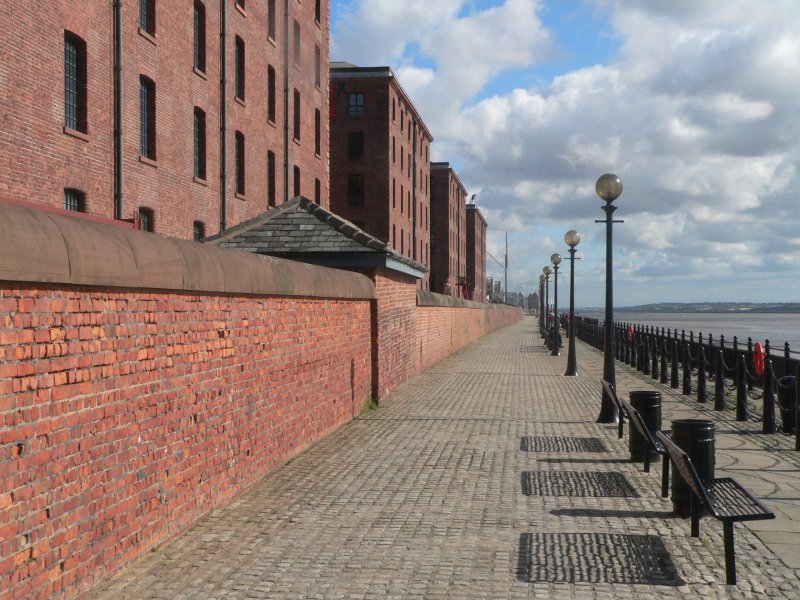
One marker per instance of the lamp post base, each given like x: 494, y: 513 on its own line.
x: 608, y: 410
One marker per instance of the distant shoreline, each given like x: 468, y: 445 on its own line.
x: 730, y: 308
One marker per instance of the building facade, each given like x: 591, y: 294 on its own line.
x: 185, y: 117
x: 380, y: 160
x: 448, y: 234
x: 476, y: 253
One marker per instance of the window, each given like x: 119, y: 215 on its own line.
x: 317, y: 66
x: 240, y: 189
x: 394, y: 109
x: 74, y: 200
x: 199, y: 36
x: 74, y: 82
x: 402, y: 156
x: 198, y: 231
x: 297, y: 115
x: 199, y: 143
x: 271, y: 178
x: 317, y: 132
x: 271, y: 94
x: 402, y: 120
x: 402, y: 199
x: 239, y: 75
x: 317, y: 191
x: 240, y: 4
x: 355, y: 144
x: 394, y: 236
x: 296, y: 43
x: 146, y: 219
x: 355, y: 190
x: 394, y: 151
x: 271, y: 19
x: 355, y: 105
x: 394, y: 194
x: 147, y: 16
x: 147, y: 117
x: 296, y: 180
x: 317, y: 11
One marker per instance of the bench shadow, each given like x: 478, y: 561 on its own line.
x: 620, y: 514
x: 584, y: 460
x: 595, y: 558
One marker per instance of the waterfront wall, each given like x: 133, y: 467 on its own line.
x: 145, y: 381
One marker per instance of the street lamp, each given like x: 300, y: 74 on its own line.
x: 572, y: 238
x: 609, y: 187
x: 541, y: 305
x: 547, y: 271
x: 556, y: 260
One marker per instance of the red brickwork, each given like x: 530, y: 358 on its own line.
x: 476, y: 253
x: 41, y: 159
x: 396, y: 201
x: 124, y: 416
x: 449, y: 231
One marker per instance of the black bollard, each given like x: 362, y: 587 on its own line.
x: 654, y: 365
x: 741, y: 389
x: 719, y: 382
x: 648, y: 403
x: 664, y: 371
x: 645, y: 364
x: 797, y: 413
x: 687, y: 371
x: 786, y: 355
x: 768, y: 424
x: 674, y: 367
x: 696, y: 437
x: 701, y: 374
x: 750, y: 383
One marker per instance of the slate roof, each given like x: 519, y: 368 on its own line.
x: 303, y: 230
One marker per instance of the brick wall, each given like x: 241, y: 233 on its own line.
x: 42, y: 159
x: 145, y: 381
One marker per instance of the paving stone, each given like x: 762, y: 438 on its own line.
x: 424, y: 498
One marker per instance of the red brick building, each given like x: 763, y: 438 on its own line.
x: 118, y: 109
x: 448, y: 234
x: 380, y: 160
x: 476, y: 254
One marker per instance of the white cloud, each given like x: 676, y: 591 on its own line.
x: 699, y: 113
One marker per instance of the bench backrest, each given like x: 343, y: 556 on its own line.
x: 638, y: 422
x: 683, y: 464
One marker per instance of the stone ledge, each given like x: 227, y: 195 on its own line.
x: 44, y: 247
x: 426, y: 298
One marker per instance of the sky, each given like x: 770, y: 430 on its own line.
x: 695, y: 105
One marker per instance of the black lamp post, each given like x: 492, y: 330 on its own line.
x: 547, y: 271
x: 609, y: 187
x: 572, y: 238
x: 541, y: 304
x: 556, y: 350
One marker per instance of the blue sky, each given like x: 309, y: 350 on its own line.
x: 695, y: 105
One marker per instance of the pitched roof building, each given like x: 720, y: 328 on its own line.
x: 192, y: 135
x: 380, y: 159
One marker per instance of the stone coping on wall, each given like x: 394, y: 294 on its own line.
x: 44, y: 247
x: 426, y: 298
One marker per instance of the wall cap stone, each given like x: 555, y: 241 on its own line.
x: 46, y: 247
x: 426, y: 298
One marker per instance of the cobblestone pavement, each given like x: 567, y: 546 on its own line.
x: 484, y: 477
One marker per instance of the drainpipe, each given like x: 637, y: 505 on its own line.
x: 289, y: 40
x: 118, y: 205
x: 414, y: 188
x: 223, y: 118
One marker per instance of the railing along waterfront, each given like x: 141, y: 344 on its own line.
x: 731, y: 374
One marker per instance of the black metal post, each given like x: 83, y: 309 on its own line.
x: 719, y: 382
x: 556, y: 325
x: 609, y: 193
x: 769, y: 424
x: 572, y: 361
x: 673, y: 383
x: 701, y: 372
x: 687, y: 370
x: 741, y: 389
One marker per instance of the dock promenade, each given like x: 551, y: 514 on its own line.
x: 486, y: 477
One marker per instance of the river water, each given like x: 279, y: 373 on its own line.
x: 775, y: 327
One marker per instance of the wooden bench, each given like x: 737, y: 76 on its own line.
x: 726, y: 500
x: 611, y: 393
x: 650, y: 444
